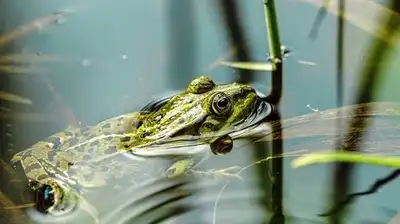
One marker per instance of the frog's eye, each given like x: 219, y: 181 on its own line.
x: 44, y: 198
x: 221, y: 104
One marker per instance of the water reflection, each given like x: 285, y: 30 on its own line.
x: 152, y: 198
x: 148, y: 202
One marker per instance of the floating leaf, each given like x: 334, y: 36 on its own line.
x: 257, y: 66
x: 14, y: 98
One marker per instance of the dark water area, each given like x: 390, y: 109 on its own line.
x: 115, y: 57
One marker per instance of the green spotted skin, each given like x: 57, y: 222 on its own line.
x: 53, y: 157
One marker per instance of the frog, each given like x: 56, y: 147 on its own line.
x: 202, y: 109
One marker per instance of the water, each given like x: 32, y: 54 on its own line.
x: 116, y: 59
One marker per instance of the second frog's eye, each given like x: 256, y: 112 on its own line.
x: 200, y: 85
x: 44, y: 198
x: 221, y: 104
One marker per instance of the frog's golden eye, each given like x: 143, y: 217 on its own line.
x: 221, y: 104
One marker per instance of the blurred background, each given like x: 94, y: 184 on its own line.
x: 109, y: 58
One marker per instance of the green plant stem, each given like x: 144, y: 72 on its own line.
x: 275, y: 170
x: 314, y: 158
x: 275, y: 52
x: 272, y: 29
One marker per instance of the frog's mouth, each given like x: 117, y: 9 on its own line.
x: 248, y: 127
x: 261, y: 112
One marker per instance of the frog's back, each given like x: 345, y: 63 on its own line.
x: 47, y: 145
x: 59, y: 151
x: 103, y: 138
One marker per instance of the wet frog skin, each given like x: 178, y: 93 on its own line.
x: 203, y: 108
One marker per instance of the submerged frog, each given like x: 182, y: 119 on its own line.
x: 202, y: 109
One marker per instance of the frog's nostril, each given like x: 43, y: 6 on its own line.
x: 250, y: 89
x: 137, y: 124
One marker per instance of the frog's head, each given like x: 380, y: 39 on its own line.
x: 202, y: 108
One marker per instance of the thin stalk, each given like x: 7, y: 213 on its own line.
x: 340, y: 55
x: 339, y: 68
x: 271, y: 21
x: 276, y: 171
x: 274, y: 44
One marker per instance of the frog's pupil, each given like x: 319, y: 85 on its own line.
x: 222, y: 103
